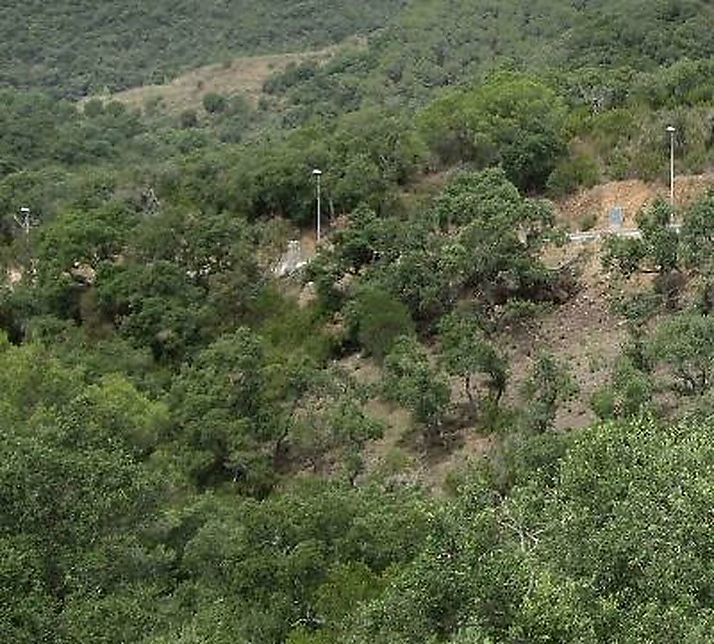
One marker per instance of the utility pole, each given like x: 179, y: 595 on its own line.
x: 318, y: 175
x: 671, y: 129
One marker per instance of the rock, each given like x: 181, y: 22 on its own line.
x: 292, y: 261
x: 308, y: 295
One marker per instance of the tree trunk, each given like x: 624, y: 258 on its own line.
x: 467, y: 389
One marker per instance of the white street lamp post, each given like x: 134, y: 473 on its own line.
x: 671, y: 129
x: 318, y: 174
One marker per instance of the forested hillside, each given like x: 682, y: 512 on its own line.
x: 454, y: 423
x: 433, y: 44
x: 73, y: 48
x: 79, y: 48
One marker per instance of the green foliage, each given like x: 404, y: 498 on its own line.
x: 290, y: 329
x: 516, y: 312
x: 628, y: 395
x: 82, y: 239
x: 501, y: 235
x: 465, y: 352
x: 79, y: 497
x: 374, y: 142
x: 365, y: 156
x: 661, y: 242
x: 331, y: 425
x: 185, y: 455
x: 155, y: 305
x: 36, y: 129
x: 429, y: 46
x: 697, y: 235
x: 578, y: 171
x: 595, y: 40
x: 656, y: 251
x: 367, y: 239
x: 220, y: 406
x: 188, y: 119
x: 488, y: 241
x: 286, y: 553
x: 215, y: 249
x: 214, y: 103
x: 377, y: 320
x: 108, y: 46
x: 549, y: 386
x: 427, y: 277
x: 588, y: 558
x: 412, y: 381
x: 626, y: 254
x: 685, y: 345
x: 512, y: 120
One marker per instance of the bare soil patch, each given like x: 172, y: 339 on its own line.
x: 631, y: 196
x: 583, y: 333
x: 244, y: 76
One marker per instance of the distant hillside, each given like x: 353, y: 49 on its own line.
x: 77, y: 47
x: 433, y: 44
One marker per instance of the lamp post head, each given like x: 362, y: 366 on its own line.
x: 671, y: 129
x: 25, y: 210
x: 316, y: 172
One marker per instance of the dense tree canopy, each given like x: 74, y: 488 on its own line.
x: 77, y: 48
x: 511, y: 120
x: 198, y: 444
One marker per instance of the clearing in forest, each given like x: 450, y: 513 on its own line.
x: 244, y: 76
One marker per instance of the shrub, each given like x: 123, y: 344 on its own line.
x: 628, y: 394
x: 410, y: 380
x: 517, y: 311
x: 572, y: 173
x: 93, y: 107
x: 466, y: 352
x: 685, y: 345
x: 188, y: 119
x: 377, y: 319
x: 214, y: 103
x: 587, y: 221
x: 550, y: 384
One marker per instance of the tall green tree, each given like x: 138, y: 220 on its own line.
x: 220, y: 406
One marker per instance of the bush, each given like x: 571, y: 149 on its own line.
x: 516, y: 312
x: 188, y: 119
x: 587, y: 222
x: 602, y: 403
x: 214, y: 103
x: 410, y: 380
x: 628, y: 394
x: 93, y: 108
x: 549, y: 386
x: 685, y: 345
x: 377, y: 319
x: 639, y: 307
x: 580, y: 171
x: 512, y: 119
